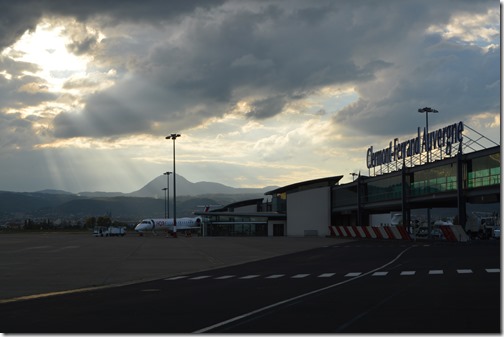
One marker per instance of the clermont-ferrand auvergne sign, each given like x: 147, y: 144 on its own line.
x: 443, y: 138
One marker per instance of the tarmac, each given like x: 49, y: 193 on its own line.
x: 42, y: 264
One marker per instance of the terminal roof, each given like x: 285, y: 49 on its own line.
x: 307, y: 185
x: 239, y: 204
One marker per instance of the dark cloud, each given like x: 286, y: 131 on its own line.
x: 267, y: 107
x: 20, y: 90
x: 18, y: 16
x: 82, y: 46
x: 191, y: 60
x: 127, y: 10
x: 458, y: 81
x: 16, y: 68
x: 224, y: 56
x: 17, y: 132
x: 99, y: 120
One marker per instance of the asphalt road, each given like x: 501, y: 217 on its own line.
x: 342, y: 287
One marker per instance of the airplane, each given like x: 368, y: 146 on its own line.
x: 183, y: 224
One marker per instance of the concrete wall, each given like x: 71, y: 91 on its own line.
x: 309, y: 212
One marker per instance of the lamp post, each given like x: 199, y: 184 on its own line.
x: 174, y: 136
x: 427, y: 147
x: 165, y: 189
x: 168, y: 193
x: 427, y: 140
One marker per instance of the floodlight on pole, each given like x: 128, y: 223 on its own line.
x: 174, y: 136
x: 427, y: 147
x: 167, y: 174
x: 427, y: 140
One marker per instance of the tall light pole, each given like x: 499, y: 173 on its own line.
x: 168, y: 193
x: 165, y: 189
x: 427, y: 147
x: 174, y: 136
x: 427, y: 140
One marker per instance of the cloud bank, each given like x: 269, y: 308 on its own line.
x: 336, y: 74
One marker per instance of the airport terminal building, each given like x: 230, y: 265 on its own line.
x: 426, y: 183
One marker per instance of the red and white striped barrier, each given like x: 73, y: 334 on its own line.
x: 454, y: 233
x: 369, y: 232
x: 451, y: 233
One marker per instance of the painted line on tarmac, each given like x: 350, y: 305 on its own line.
x: 55, y: 293
x: 237, y: 318
x: 73, y: 291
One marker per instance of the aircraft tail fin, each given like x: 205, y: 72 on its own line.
x: 206, y: 208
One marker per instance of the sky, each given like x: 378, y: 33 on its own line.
x: 263, y: 93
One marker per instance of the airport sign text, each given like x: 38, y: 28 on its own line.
x: 440, y: 138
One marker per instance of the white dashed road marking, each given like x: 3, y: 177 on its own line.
x: 327, y: 275
x: 352, y: 274
x: 300, y: 275
x: 276, y: 276
x: 175, y: 278
x: 199, y: 277
x: 249, y: 277
x: 380, y: 273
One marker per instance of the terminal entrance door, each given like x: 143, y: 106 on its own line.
x: 278, y: 229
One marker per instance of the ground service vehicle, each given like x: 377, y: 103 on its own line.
x: 482, y: 225
x: 109, y: 231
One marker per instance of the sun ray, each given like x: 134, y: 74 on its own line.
x: 46, y: 48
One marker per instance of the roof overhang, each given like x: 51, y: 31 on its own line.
x: 305, y: 185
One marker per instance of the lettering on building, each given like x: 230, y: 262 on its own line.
x: 399, y: 150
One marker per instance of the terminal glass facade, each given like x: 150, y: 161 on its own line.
x: 233, y: 229
x: 223, y: 225
x: 435, y: 180
x: 384, y: 189
x: 484, y: 171
x: 344, y: 196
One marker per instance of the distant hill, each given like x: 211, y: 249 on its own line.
x: 48, y: 191
x: 147, y: 202
x: 186, y: 188
x: 102, y: 194
x: 129, y: 207
x: 28, y: 202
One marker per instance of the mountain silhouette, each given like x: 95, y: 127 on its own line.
x: 145, y: 202
x: 154, y: 189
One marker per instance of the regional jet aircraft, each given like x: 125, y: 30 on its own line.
x: 183, y: 224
